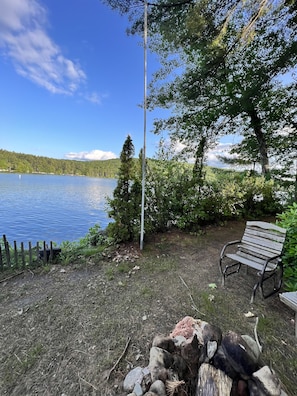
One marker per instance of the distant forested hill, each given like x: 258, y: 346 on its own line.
x: 27, y: 163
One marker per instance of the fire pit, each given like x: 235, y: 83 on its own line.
x: 196, y: 359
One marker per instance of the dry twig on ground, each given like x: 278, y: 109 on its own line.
x: 107, y: 376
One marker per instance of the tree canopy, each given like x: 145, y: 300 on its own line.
x: 227, y: 67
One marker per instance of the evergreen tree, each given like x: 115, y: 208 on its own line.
x: 125, y: 205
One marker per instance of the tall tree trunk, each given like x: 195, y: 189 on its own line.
x: 198, y: 173
x: 295, y: 185
x: 256, y: 124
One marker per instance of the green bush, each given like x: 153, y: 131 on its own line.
x: 166, y: 191
x: 259, y: 196
x: 288, y: 220
x: 94, y: 242
x: 232, y: 197
x: 174, y: 196
x: 95, y: 237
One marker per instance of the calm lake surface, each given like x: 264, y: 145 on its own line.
x: 52, y: 208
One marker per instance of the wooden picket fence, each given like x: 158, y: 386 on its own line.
x: 14, y: 257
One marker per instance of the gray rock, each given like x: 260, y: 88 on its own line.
x: 133, y: 377
x: 160, y: 360
x: 147, y: 379
x: 253, y: 350
x: 268, y: 381
x: 158, y: 387
x: 138, y: 389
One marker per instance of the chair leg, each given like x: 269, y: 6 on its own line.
x: 222, y: 271
x: 254, y: 292
x: 277, y: 276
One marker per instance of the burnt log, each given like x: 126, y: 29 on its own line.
x: 212, y: 382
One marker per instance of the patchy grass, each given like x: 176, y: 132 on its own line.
x: 64, y: 328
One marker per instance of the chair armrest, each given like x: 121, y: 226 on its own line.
x: 270, y: 259
x: 227, y: 245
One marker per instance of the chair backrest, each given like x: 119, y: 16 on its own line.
x: 266, y: 239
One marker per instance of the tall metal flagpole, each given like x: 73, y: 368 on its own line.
x: 144, y: 125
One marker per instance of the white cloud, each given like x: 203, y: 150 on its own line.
x: 25, y: 41
x: 91, y: 155
x: 93, y: 98
x: 221, y: 149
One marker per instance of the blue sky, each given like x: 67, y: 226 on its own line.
x: 71, y: 81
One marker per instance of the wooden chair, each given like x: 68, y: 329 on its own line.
x: 260, y: 248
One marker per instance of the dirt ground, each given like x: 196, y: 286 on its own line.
x: 64, y: 328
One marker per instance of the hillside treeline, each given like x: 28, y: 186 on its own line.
x: 27, y: 163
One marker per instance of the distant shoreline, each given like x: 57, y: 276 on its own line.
x: 53, y: 174
x: 11, y: 162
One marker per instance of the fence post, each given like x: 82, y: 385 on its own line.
x: 30, y: 253
x: 37, y: 254
x: 51, y: 251
x: 6, y: 246
x: 15, y: 248
x: 23, y: 254
x: 1, y: 262
x: 44, y: 253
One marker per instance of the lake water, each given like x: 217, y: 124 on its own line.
x: 52, y: 208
